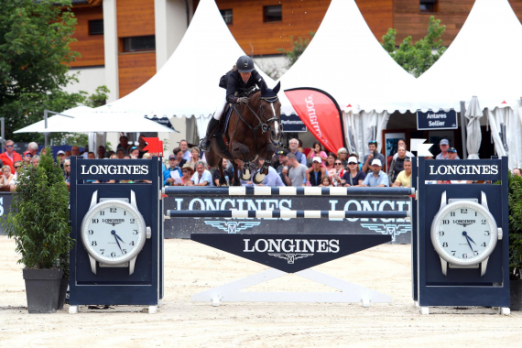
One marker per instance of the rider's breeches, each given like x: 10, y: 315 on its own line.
x: 221, y: 105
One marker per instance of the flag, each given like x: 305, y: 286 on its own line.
x: 321, y: 114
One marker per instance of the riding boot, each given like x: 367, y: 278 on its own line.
x: 204, y: 144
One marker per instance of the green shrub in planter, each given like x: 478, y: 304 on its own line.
x: 515, y: 240
x: 39, y: 223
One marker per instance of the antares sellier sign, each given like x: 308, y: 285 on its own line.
x: 433, y: 120
x: 291, y: 253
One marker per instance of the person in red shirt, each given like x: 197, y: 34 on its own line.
x: 10, y: 155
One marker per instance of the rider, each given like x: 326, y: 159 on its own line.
x: 242, y: 77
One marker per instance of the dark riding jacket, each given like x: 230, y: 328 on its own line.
x: 235, y: 84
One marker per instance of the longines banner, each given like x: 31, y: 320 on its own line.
x: 398, y: 229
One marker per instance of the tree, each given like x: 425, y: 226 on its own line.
x: 419, y: 57
x: 299, y: 46
x: 34, y: 53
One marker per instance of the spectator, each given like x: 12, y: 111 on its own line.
x: 342, y: 155
x: 67, y: 172
x: 317, y: 151
x: 452, y: 154
x: 32, y: 148
x: 113, y: 156
x: 517, y: 172
x: 315, y: 174
x: 18, y: 167
x: 228, y: 171
x: 134, y: 152
x: 179, y: 156
x: 120, y: 153
x: 282, y: 169
x: 372, y: 147
x: 188, y: 172
x: 294, y: 145
x: 377, y: 178
x: 195, y: 156
x: 60, y: 157
x: 330, y: 164
x: 297, y: 173
x: 353, y: 176
x: 354, y: 154
x: 183, y: 145
x: 35, y: 161
x: 101, y: 152
x: 326, y: 181
x: 28, y: 157
x: 444, y: 147
x: 6, y: 179
x: 124, y: 144
x: 400, y: 143
x: 338, y: 173
x: 75, y: 151
x: 91, y: 155
x: 142, y: 144
x: 172, y: 175
x: 404, y: 177
x: 202, y: 177
x: 67, y: 154
x: 110, y: 153
x: 43, y: 152
x: 126, y: 157
x: 271, y: 179
x: 397, y: 165
x: 10, y: 156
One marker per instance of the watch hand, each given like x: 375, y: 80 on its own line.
x: 116, y: 239
x: 119, y: 238
x: 467, y: 240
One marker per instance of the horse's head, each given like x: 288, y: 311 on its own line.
x: 271, y: 110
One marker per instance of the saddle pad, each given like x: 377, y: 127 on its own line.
x: 227, y: 119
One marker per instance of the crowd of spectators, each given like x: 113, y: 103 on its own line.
x: 186, y: 166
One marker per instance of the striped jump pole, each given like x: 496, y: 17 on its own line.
x: 287, y: 191
x: 287, y: 214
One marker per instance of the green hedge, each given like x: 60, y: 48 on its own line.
x: 515, y: 225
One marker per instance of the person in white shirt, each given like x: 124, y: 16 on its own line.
x: 202, y: 176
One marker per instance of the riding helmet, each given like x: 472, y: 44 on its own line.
x: 245, y: 64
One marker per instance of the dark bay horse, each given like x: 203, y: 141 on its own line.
x: 254, y: 130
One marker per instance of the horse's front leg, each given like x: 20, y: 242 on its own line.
x: 267, y: 152
x: 241, y: 154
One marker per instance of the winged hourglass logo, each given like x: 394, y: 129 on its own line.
x: 290, y: 257
x: 391, y: 229
x: 232, y: 227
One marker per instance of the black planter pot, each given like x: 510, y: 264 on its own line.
x: 42, y: 287
x: 516, y: 295
x: 64, y: 283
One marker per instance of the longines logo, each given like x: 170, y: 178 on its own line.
x: 389, y: 229
x: 464, y: 170
x: 114, y: 169
x: 464, y: 222
x: 233, y: 227
x: 290, y: 253
x: 113, y: 222
x: 292, y: 245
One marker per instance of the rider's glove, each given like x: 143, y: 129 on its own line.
x: 242, y: 100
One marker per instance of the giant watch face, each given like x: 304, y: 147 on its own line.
x: 113, y: 232
x: 464, y: 233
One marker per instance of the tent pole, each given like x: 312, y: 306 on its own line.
x: 463, y: 129
x: 46, y: 134
x: 2, y: 120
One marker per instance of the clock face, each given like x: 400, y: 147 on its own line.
x: 464, y: 233
x: 113, y: 232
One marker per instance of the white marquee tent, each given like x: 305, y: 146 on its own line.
x: 346, y: 60
x: 482, y: 61
x: 187, y: 85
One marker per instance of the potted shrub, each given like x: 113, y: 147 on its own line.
x: 39, y: 223
x: 515, y: 240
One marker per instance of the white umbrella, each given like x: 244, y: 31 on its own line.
x: 85, y: 120
x: 474, y: 138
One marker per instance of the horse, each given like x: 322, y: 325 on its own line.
x: 254, y: 130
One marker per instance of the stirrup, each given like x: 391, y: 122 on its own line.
x: 204, y: 144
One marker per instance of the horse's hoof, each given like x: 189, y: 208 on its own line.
x: 246, y: 174
x: 258, y: 178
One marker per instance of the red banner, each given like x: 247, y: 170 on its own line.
x: 321, y: 114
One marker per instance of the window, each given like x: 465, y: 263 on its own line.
x: 272, y: 13
x: 139, y: 43
x: 227, y: 16
x: 96, y: 27
x: 428, y: 5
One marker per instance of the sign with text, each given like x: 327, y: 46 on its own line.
x: 464, y: 169
x: 433, y: 120
x: 293, y: 124
x: 291, y: 253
